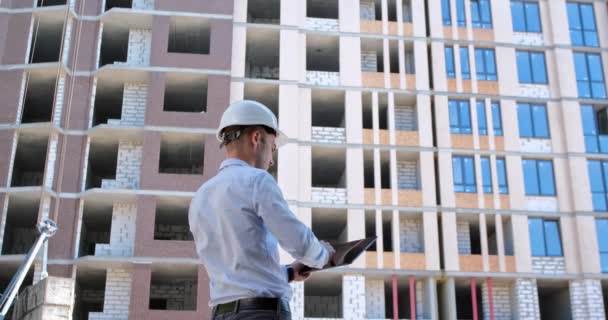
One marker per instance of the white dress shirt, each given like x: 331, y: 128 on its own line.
x: 236, y: 219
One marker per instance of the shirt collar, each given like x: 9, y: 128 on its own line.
x: 233, y: 162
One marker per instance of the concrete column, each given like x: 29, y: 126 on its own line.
x: 429, y: 296
x: 239, y: 45
x: 586, y: 300
x: 448, y: 299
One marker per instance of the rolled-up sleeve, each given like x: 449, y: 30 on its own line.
x: 295, y: 237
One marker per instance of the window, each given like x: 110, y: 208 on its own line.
x: 501, y: 170
x: 496, y: 118
x: 485, y: 63
x: 464, y: 174
x: 532, y: 121
x: 481, y: 15
x: 189, y: 35
x: 538, y: 177
x: 525, y: 16
x: 595, y: 129
x: 601, y: 226
x: 449, y: 62
x: 589, y: 75
x: 583, y: 31
x: 545, y: 240
x: 460, y: 117
x: 460, y: 14
x: 531, y: 67
x: 482, y: 124
x: 445, y: 12
x: 465, y: 69
x: 598, y: 177
x: 486, y: 175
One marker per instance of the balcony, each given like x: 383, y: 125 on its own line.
x: 371, y: 17
x: 373, y: 66
x: 322, y: 60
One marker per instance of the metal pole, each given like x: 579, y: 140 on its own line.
x: 47, y: 229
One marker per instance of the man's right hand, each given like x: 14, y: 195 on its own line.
x: 330, y: 252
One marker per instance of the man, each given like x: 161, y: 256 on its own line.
x: 238, y: 216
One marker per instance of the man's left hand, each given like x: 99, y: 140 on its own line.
x: 298, y: 275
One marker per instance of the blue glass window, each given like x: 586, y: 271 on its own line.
x: 596, y: 140
x: 589, y: 75
x: 482, y: 124
x: 486, y: 175
x: 465, y: 69
x: 545, y: 239
x: 485, y: 62
x: 601, y: 226
x: 501, y: 170
x: 449, y: 62
x: 525, y: 16
x: 460, y: 13
x: 460, y: 117
x: 598, y: 177
x: 464, y: 174
x: 496, y: 118
x: 583, y: 31
x: 531, y: 67
x: 538, y: 177
x: 481, y: 14
x: 445, y: 12
x: 532, y: 121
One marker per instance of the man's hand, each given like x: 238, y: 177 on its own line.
x: 330, y: 250
x: 298, y: 274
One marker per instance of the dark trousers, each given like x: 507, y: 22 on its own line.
x: 254, y: 315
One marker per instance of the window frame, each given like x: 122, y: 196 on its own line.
x: 464, y: 61
x: 544, y: 223
x: 482, y: 121
x: 486, y: 175
x: 589, y: 81
x: 538, y: 178
x: 604, y: 268
x: 485, y: 75
x: 480, y: 24
x: 525, y: 16
x: 464, y: 187
x: 595, y: 142
x: 583, y: 31
x: 602, y: 180
x: 461, y: 20
x: 529, y: 55
x: 446, y: 7
x: 533, y: 129
x: 496, y: 118
x: 459, y: 128
x: 503, y: 186
x: 451, y: 74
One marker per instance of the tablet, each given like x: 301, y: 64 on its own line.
x: 345, y: 254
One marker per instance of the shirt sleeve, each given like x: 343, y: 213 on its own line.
x: 293, y: 236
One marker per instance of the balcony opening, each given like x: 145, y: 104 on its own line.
x: 39, y: 97
x: 181, y: 153
x: 408, y: 170
x: 403, y: 298
x: 95, y: 228
x: 173, y: 287
x: 507, y: 228
x: 330, y: 224
x: 328, y: 108
x: 328, y: 167
x: 468, y: 235
x: 406, y: 115
x: 369, y: 178
x: 262, y: 54
x: 368, y: 111
x: 171, y: 222
x: 185, y: 93
x: 554, y: 300
x: 48, y: 3
x: 89, y: 292
x: 30, y: 160
x: 46, y: 40
x: 21, y: 229
x: 322, y: 53
x: 189, y: 35
x: 370, y: 227
x: 114, y: 45
x: 108, y: 102
x: 264, y: 11
x: 491, y: 233
x: 387, y: 231
x: 103, y: 158
x: 267, y: 94
x: 327, y: 9
x: 118, y: 4
x: 393, y: 49
x: 464, y: 299
x: 408, y: 57
x: 323, y: 296
x: 372, y: 59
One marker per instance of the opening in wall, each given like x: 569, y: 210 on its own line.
x: 264, y: 11
x: 262, y: 54
x: 173, y: 287
x: 20, y: 231
x: 95, y: 228
x: 171, y: 222
x: 327, y: 9
x: 323, y: 296
x: 89, y: 292
x: 554, y: 300
x: 189, y: 35
x: 185, y: 93
x: 46, y: 40
x: 267, y: 94
x: 108, y: 101
x: 464, y: 299
x: 370, y: 227
x: 368, y: 167
x: 181, y: 153
x: 327, y: 108
x: 322, y: 53
x: 330, y: 224
x: 403, y: 298
x: 118, y: 4
x: 39, y: 97
x: 382, y: 111
x: 114, y: 45
x: 103, y: 158
x: 328, y: 167
x: 48, y: 3
x: 30, y: 160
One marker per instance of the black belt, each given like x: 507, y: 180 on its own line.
x: 251, y: 304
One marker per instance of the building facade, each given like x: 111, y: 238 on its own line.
x: 469, y: 136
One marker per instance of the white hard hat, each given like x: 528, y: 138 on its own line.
x: 249, y: 112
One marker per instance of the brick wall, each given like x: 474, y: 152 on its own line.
x: 525, y: 299
x: 534, y: 90
x: 117, y: 296
x: 528, y: 38
x: 367, y: 10
x: 174, y: 232
x: 67, y: 40
x: 375, y: 307
x: 297, y: 300
x: 549, y: 265
x: 50, y: 161
x: 59, y: 98
x: 323, y: 78
x: 143, y: 4
x: 586, y: 299
x: 180, y: 294
x: 405, y: 118
x: 410, y: 235
x: 329, y: 195
x: 501, y: 299
x: 322, y: 306
x: 541, y: 204
x: 322, y: 24
x: 133, y: 105
x: 263, y: 72
x: 535, y: 145
x: 464, y: 237
x: 369, y: 61
x: 140, y: 43
x: 328, y: 135
x: 407, y: 174
x: 128, y: 166
x: 122, y: 234
x: 353, y: 291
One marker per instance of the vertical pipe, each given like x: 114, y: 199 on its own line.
x: 490, y: 284
x: 395, y: 299
x: 412, y: 298
x: 474, y: 298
